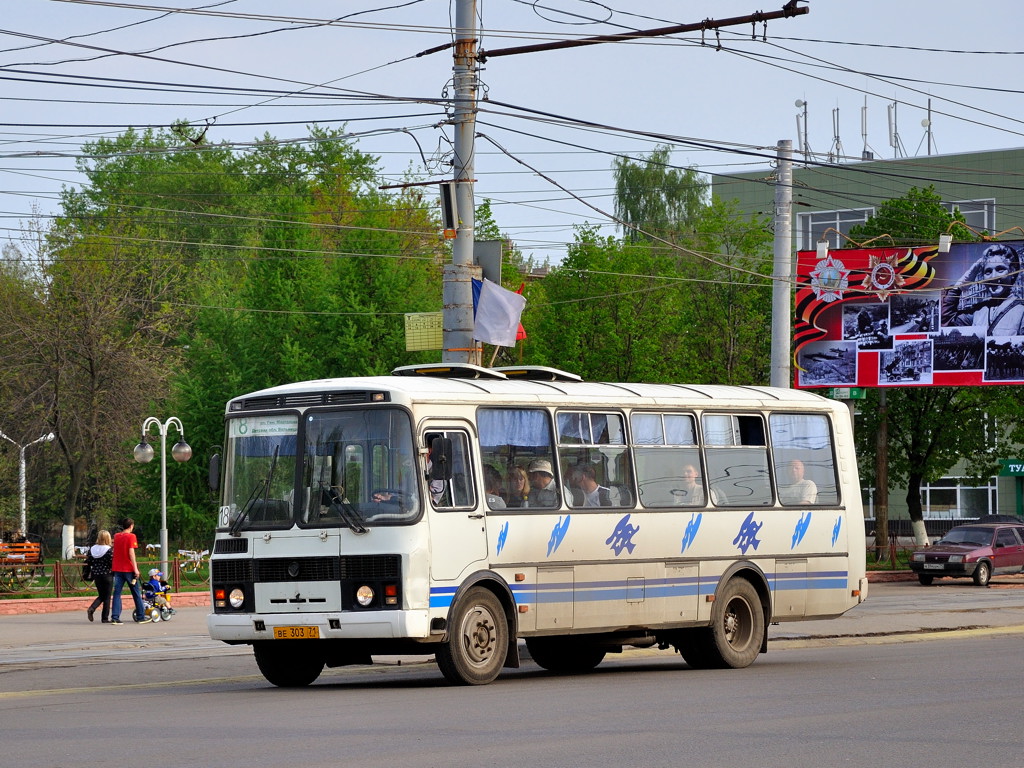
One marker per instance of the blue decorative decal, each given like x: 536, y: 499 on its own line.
x: 835, y: 530
x: 502, y: 537
x: 558, y: 533
x: 691, y: 530
x: 801, y: 529
x: 747, y: 537
x: 622, y: 536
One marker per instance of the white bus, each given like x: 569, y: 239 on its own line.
x: 386, y: 515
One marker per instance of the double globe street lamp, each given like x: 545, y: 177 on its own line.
x: 181, y: 451
x: 21, y: 471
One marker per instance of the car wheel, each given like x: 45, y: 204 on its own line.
x: 982, y: 574
x: 926, y: 579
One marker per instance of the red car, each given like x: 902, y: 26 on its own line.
x: 978, y: 550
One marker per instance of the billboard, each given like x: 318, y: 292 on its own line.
x: 878, y: 317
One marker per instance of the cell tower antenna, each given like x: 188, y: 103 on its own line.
x: 836, y: 153
x: 866, y: 153
x: 801, y: 132
x: 894, y: 133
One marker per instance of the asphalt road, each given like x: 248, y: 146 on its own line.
x: 854, y: 690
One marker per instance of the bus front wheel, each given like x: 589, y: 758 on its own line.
x: 478, y: 640
x: 287, y: 665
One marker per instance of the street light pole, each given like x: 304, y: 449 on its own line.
x: 21, y: 473
x: 181, y: 451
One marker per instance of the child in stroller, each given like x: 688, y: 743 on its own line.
x: 156, y: 596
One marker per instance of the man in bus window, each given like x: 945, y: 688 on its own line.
x: 691, y: 492
x: 594, y: 494
x: 795, y: 488
x: 543, y: 491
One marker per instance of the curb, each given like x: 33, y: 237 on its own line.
x: 16, y: 607
x: 881, y: 577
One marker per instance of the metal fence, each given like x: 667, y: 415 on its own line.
x: 63, y: 578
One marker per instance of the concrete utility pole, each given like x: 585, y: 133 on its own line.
x: 782, y: 272
x: 459, y: 346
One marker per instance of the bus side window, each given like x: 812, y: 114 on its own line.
x: 804, y: 465
x: 737, y: 460
x: 512, y: 440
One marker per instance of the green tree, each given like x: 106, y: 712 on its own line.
x: 653, y: 198
x: 182, y: 275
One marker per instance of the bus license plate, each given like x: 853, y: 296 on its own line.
x: 296, y: 633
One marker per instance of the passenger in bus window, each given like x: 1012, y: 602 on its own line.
x: 794, y: 488
x: 593, y: 494
x: 492, y: 483
x: 543, y: 491
x: 691, y: 491
x: 518, y: 487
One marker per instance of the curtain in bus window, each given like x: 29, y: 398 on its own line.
x: 647, y: 429
x: 804, y: 462
x: 679, y: 430
x: 574, y: 428
x: 517, y: 428
x: 720, y: 429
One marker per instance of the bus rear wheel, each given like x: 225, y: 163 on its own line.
x: 560, y: 654
x: 287, y: 664
x: 478, y: 640
x: 737, y: 629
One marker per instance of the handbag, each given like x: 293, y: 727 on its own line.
x: 87, y: 569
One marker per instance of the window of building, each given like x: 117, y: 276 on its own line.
x: 948, y: 498
x: 978, y: 214
x: 811, y: 227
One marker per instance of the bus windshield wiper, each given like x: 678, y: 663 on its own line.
x: 260, y: 491
x: 348, y: 513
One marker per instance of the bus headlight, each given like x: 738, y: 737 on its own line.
x: 364, y: 595
x: 236, y: 598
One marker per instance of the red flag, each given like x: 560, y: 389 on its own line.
x: 520, y: 332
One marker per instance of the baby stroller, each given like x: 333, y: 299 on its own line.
x: 154, y: 603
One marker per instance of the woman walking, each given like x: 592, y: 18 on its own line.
x: 101, y: 559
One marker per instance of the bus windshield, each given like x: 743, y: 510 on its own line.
x: 356, y: 468
x: 259, y: 471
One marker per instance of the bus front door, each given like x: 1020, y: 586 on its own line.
x: 458, y: 537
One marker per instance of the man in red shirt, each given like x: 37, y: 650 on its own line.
x: 126, y: 571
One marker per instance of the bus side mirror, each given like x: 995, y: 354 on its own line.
x: 215, y: 472
x: 441, y: 458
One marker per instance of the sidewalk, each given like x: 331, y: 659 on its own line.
x: 15, y: 606
x: 893, y: 608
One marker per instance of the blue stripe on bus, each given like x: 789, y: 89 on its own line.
x: 648, y: 589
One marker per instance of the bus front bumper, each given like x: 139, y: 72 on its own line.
x: 251, y: 627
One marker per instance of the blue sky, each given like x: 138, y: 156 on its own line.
x: 554, y: 121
